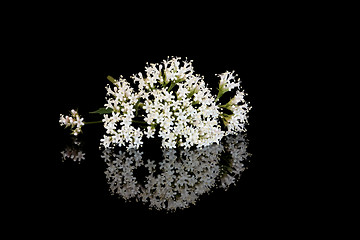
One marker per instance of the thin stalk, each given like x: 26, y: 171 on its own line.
x: 94, y: 122
x: 171, y: 86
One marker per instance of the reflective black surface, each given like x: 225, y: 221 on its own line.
x: 172, y: 180
x: 122, y: 189
x: 70, y: 53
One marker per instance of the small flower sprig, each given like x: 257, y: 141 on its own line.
x: 227, y: 82
x: 75, y: 122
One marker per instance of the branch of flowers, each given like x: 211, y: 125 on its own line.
x: 180, y: 121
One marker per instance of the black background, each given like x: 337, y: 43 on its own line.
x: 76, y: 59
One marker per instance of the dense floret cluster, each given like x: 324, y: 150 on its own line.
x: 173, y: 103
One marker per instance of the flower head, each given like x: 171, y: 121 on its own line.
x: 173, y: 103
x: 228, y: 81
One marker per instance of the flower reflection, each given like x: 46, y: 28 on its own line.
x: 73, y: 151
x: 180, y: 177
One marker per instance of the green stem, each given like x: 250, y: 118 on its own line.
x: 171, y: 86
x: 224, y: 106
x: 95, y: 122
x: 137, y: 105
x: 179, y: 80
x: 224, y: 115
x: 220, y: 93
x: 218, y: 96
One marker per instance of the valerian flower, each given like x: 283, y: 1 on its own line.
x: 171, y: 102
x: 175, y: 102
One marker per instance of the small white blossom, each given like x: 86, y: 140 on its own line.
x: 150, y: 132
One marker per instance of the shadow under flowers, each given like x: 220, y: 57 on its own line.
x: 180, y: 177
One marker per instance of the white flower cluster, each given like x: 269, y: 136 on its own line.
x: 118, y: 124
x: 75, y: 122
x: 236, y: 121
x: 180, y: 178
x: 173, y: 103
x: 227, y: 81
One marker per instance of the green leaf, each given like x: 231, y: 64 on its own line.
x: 111, y: 79
x: 102, y: 111
x: 171, y: 86
x: 137, y: 107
